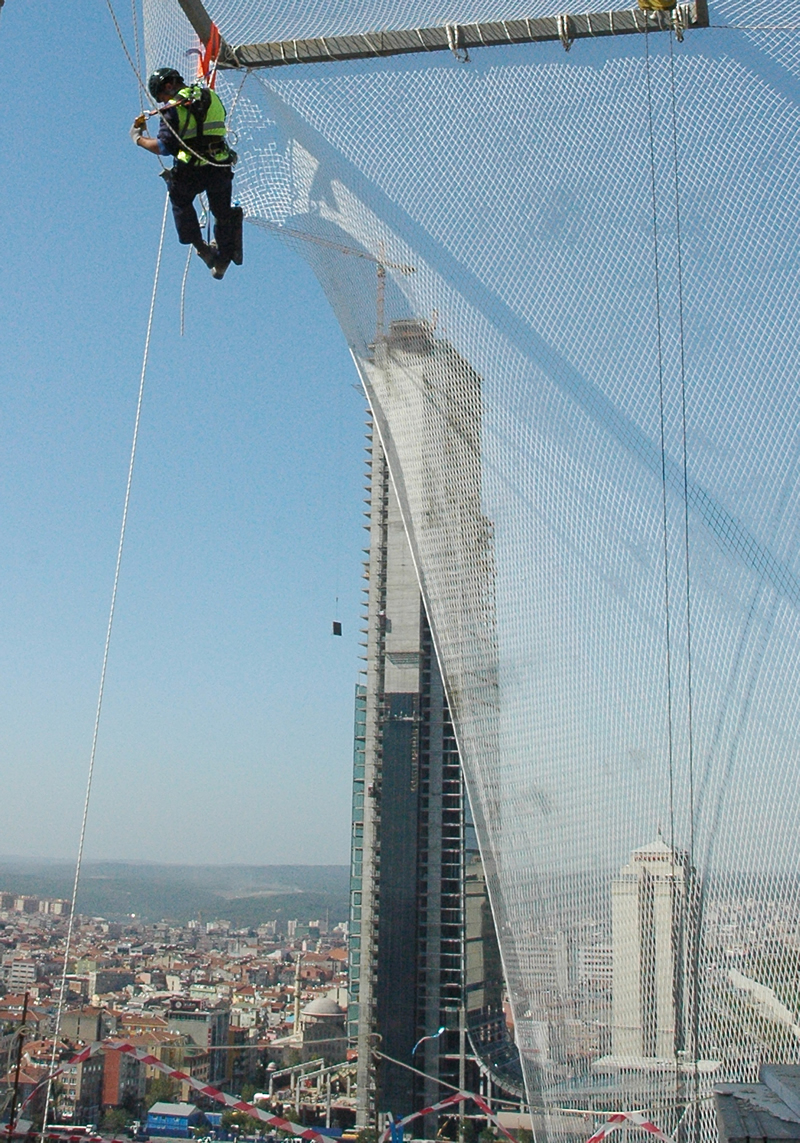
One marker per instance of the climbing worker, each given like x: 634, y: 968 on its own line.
x: 192, y: 130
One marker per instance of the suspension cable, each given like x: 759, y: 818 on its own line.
x: 92, y: 754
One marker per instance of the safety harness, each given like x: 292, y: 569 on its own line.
x: 201, y: 125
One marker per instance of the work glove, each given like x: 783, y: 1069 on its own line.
x: 137, y: 130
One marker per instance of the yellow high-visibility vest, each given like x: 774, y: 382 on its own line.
x: 205, y: 136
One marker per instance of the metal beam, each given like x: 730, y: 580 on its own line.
x: 196, y: 14
x: 449, y: 37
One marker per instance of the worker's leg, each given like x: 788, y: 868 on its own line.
x: 184, y: 186
x: 219, y: 182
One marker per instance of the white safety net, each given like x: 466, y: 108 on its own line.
x: 569, y: 283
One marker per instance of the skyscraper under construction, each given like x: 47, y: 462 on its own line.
x: 423, y: 950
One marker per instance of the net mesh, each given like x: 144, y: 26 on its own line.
x: 569, y: 285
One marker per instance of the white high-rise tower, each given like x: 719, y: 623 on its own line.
x: 650, y: 900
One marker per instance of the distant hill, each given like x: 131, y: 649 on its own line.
x: 246, y: 895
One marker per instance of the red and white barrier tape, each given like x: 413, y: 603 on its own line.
x: 623, y: 1117
x: 212, y: 1092
x: 456, y: 1097
x: 615, y: 1121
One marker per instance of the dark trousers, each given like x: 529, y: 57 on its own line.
x: 184, y: 185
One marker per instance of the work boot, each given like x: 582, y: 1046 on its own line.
x: 208, y: 253
x: 221, y: 264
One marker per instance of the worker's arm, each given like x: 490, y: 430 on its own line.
x: 163, y: 144
x: 149, y: 144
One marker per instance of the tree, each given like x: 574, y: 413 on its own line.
x: 115, y: 1119
x: 470, y: 1131
x: 237, y: 1122
x: 161, y: 1089
x: 133, y: 1105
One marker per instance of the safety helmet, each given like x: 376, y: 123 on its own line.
x: 161, y: 77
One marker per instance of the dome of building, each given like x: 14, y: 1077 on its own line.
x: 323, y: 1006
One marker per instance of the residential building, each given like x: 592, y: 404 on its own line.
x: 123, y: 1079
x: 21, y: 974
x: 105, y: 980
x: 141, y: 1023
x: 82, y: 1090
x: 82, y: 1025
x: 30, y: 1089
x: 207, y: 1027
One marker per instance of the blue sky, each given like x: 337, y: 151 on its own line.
x: 227, y: 725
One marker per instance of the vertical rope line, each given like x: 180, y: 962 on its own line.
x: 136, y: 71
x: 694, y: 916
x: 137, y: 50
x: 685, y: 449
x: 245, y: 77
x: 70, y: 925
x: 684, y: 446
x: 183, y: 286
x: 665, y: 529
x: 665, y: 523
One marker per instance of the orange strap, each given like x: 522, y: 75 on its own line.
x: 206, y: 64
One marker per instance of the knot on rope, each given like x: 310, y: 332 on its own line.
x: 455, y: 43
x: 678, y: 24
x: 564, y: 34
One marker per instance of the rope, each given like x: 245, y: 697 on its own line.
x: 205, y: 219
x: 63, y: 989
x: 694, y: 1014
x: 664, y: 516
x: 692, y: 903
x: 594, y: 1112
x: 137, y: 71
x: 682, y: 342
x: 137, y: 48
x: 664, y: 511
x: 183, y: 286
x: 204, y: 159
x: 245, y: 77
x: 136, y: 68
